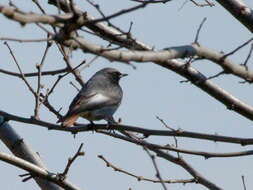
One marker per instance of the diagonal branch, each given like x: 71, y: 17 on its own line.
x: 158, y: 175
x: 20, y: 71
x: 178, y: 161
x: 240, y: 11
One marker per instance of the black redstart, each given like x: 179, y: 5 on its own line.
x: 98, y: 99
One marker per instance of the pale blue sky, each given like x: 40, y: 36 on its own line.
x: 149, y: 91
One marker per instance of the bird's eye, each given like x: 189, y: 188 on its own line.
x: 117, y: 73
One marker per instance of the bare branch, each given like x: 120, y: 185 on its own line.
x: 36, y: 171
x: 151, y: 1
x: 240, y: 11
x: 198, y: 31
x: 216, y: 75
x: 178, y: 161
x: 121, y: 12
x: 170, y: 128
x: 24, y: 18
x: 238, y: 48
x: 21, y: 149
x: 39, y: 67
x: 206, y: 155
x: 20, y: 71
x: 203, y: 4
x: 39, y: 6
x: 74, y: 71
x: 25, y: 40
x: 141, y: 178
x: 158, y: 175
x: 160, y: 57
x: 71, y: 161
x: 243, y: 182
x: 35, y: 74
x: 145, y: 132
x: 248, y: 57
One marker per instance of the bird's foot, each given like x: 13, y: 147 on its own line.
x: 91, y: 126
x: 111, y: 127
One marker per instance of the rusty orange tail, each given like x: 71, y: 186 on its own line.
x: 69, y: 121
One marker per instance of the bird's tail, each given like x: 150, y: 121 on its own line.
x: 69, y: 121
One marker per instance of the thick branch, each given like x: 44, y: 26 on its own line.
x: 164, y: 55
x: 35, y: 170
x: 240, y: 11
x: 24, y: 18
x: 21, y: 149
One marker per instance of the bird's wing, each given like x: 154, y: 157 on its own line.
x: 82, y: 103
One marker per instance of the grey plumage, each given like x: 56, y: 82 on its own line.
x: 98, y: 99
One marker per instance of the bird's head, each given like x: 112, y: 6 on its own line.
x: 112, y: 74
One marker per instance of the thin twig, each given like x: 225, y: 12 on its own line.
x: 90, y: 62
x: 243, y: 182
x: 141, y: 178
x: 248, y: 57
x: 72, y: 84
x: 97, y: 7
x: 203, y: 4
x: 75, y: 72
x: 158, y: 175
x: 121, y: 12
x: 151, y: 1
x: 198, y: 31
x: 39, y: 67
x: 71, y: 161
x: 34, y: 74
x: 216, y: 75
x: 20, y: 71
x: 44, y: 100
x: 39, y: 6
x: 71, y: 70
x: 236, y: 49
x: 170, y: 128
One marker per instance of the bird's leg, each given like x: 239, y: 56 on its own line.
x: 110, y: 121
x: 92, y: 126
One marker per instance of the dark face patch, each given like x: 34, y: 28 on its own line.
x: 114, y: 75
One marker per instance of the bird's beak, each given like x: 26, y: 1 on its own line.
x: 123, y: 75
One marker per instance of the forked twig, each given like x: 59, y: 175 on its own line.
x: 70, y: 162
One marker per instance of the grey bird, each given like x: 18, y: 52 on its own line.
x: 98, y: 99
